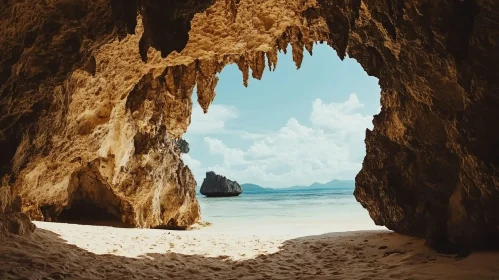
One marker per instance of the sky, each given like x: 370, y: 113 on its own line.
x: 292, y: 127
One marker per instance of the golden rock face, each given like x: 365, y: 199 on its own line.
x: 109, y: 141
x: 93, y: 96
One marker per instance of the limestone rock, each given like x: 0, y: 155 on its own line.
x: 431, y: 167
x: 16, y: 223
x: 11, y: 220
x: 130, y: 171
x: 218, y: 186
x: 72, y: 133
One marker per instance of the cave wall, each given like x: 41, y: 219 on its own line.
x: 119, y: 98
x: 41, y: 43
x: 52, y: 127
x: 431, y: 167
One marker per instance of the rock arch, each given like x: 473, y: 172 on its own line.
x: 431, y: 168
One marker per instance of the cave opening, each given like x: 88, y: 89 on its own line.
x: 86, y: 212
x: 301, y: 126
x: 92, y: 202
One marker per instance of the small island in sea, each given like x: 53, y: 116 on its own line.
x: 219, y: 186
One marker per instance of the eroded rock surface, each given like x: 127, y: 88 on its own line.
x: 11, y: 219
x: 431, y: 167
x: 219, y: 186
x: 71, y: 130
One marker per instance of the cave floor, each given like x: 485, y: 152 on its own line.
x: 63, y: 251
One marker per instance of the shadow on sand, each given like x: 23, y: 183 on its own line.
x: 349, y: 255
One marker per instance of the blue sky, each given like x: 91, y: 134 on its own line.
x: 293, y: 127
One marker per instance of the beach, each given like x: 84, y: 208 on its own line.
x: 285, y: 235
x: 64, y: 251
x: 295, y: 234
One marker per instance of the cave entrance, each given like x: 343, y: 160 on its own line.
x: 93, y: 202
x: 88, y: 213
x: 294, y: 140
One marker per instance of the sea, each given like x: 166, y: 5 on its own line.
x: 297, y: 212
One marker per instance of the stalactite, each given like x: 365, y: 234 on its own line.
x: 180, y: 80
x: 257, y: 65
x: 297, y: 54
x: 206, y: 82
x: 297, y: 45
x: 282, y: 42
x: 310, y: 47
x: 243, y: 66
x: 272, y: 58
x: 176, y: 84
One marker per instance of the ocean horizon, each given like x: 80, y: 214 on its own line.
x: 301, y: 211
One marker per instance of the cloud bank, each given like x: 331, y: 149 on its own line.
x: 295, y: 154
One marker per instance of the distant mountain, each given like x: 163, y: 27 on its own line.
x: 254, y: 187
x: 328, y: 185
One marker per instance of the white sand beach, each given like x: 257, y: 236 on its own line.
x: 68, y: 251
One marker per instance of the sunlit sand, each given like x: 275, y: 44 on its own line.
x: 67, y: 251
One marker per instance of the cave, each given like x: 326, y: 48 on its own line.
x: 431, y: 167
x: 92, y: 202
x: 87, y: 213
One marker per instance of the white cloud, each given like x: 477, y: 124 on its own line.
x: 340, y: 116
x: 251, y: 136
x: 213, y: 121
x: 332, y: 147
x: 192, y: 163
x: 231, y: 156
x: 259, y: 149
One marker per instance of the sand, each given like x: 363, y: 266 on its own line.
x: 64, y: 251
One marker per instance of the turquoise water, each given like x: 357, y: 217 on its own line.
x: 299, y: 212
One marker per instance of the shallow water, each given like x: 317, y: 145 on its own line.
x: 294, y: 212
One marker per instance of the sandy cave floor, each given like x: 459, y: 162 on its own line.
x: 64, y: 251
